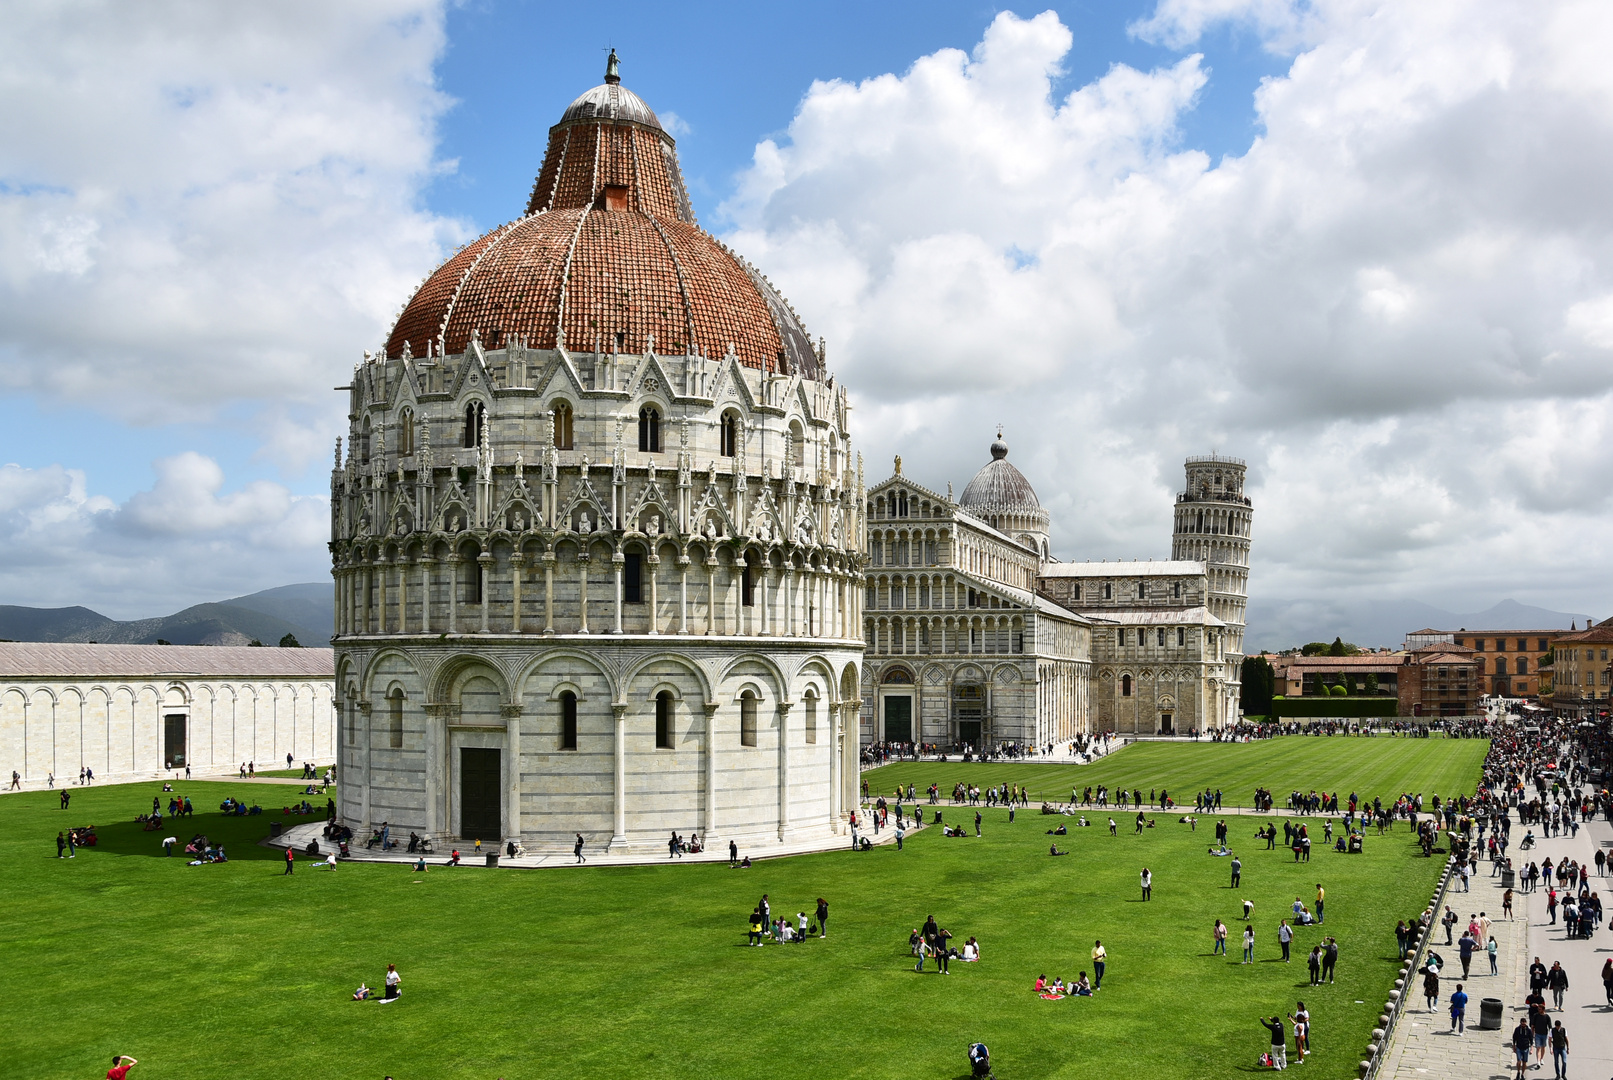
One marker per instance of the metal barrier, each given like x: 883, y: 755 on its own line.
x: 1378, y: 1049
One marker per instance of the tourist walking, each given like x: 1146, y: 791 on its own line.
x: 1464, y: 949
x: 1522, y: 1039
x: 1540, y: 1025
x: 1220, y: 938
x: 1607, y: 980
x: 1248, y: 944
x: 1100, y: 958
x: 61, y: 845
x: 576, y: 849
x: 1148, y: 884
x: 1321, y: 895
x: 1448, y: 920
x: 1314, y: 963
x: 1237, y: 871
x: 1559, y: 1050
x: 66, y: 798
x: 1458, y: 1010
x: 823, y: 917
x: 291, y: 861
x: 1492, y: 948
x: 1285, y: 936
x: 1431, y: 987
x: 1557, y: 982
x: 1330, y: 958
x: 977, y: 822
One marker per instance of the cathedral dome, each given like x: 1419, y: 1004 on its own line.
x: 999, y: 487
x: 608, y: 258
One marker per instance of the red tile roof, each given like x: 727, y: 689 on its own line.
x: 609, y: 246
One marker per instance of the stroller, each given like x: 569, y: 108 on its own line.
x: 1528, y: 841
x: 980, y: 1061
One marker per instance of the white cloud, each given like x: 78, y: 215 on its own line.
x: 184, y: 541
x: 203, y: 205
x: 1395, y: 303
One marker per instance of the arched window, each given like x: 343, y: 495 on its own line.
x: 352, y: 723
x: 810, y: 719
x: 562, y: 425
x: 1176, y: 590
x: 395, y: 718
x: 797, y: 446
x: 473, y: 581
x: 1181, y: 636
x: 568, y: 720
x: 834, y: 455
x: 747, y: 719
x: 364, y: 443
x: 663, y: 720
x: 747, y: 584
x: 649, y: 431
x: 1160, y: 636
x: 406, y: 432
x: 475, y: 418
x: 730, y: 434
x: 901, y: 504
x: 1125, y: 686
x: 1142, y: 590
x: 1201, y: 522
x: 633, y: 578
x: 1108, y: 591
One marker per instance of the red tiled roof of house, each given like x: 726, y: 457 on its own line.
x: 608, y: 251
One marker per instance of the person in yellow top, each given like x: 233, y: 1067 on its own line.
x: 1099, y: 956
x: 1321, y: 894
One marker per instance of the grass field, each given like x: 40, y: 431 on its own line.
x: 1377, y: 766
x: 225, y: 971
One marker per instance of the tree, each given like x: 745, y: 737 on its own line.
x: 255, y: 644
x: 160, y: 641
x: 1371, y: 682
x: 1337, y: 648
x: 1315, y: 648
x: 290, y: 642
x: 1259, y: 680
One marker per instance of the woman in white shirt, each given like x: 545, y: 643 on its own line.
x: 971, y: 951
x: 393, y: 979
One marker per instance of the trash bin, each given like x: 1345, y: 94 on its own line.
x: 492, y: 858
x: 1490, y: 1014
x: 1509, y: 879
x: 274, y: 829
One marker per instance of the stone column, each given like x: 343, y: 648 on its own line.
x: 711, y: 592
x: 711, y: 770
x: 762, y: 627
x: 436, y: 770
x: 548, y: 591
x: 517, y: 563
x: 380, y: 615
x: 836, y: 725
x: 619, y: 828
x: 618, y: 560
x: 364, y: 792
x: 367, y: 593
x: 683, y: 594
x: 582, y: 590
x: 789, y: 595
x: 426, y: 564
x: 783, y: 767
x: 403, y: 594
x: 512, y: 770
x: 483, y: 562
x: 453, y: 593
x: 654, y: 563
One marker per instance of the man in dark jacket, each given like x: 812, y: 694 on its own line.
x: 1279, y: 1041
x: 1557, y: 982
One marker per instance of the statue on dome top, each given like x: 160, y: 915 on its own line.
x: 613, y: 68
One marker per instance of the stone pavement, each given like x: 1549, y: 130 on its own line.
x: 1585, y: 1010
x: 1423, y: 1046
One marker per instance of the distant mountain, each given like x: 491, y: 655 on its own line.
x: 1281, y: 624
x: 304, y: 611
x: 309, y: 605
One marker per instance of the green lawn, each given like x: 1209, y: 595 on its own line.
x: 637, y: 972
x: 1381, y: 766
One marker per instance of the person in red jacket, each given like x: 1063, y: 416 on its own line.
x: 291, y: 860
x: 121, y: 1064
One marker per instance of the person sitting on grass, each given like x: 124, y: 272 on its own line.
x: 1081, y: 987
x: 1041, y: 983
x: 971, y: 951
x: 1060, y: 831
x: 1054, y: 850
x: 420, y: 866
x: 328, y: 864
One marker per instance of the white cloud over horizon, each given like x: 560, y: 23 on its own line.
x: 185, y: 540
x: 1397, y: 304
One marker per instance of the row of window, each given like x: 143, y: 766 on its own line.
x: 1161, y: 635
x: 1500, y: 644
x: 897, y: 595
x: 664, y: 733
x: 897, y: 506
x: 903, y: 553
x: 1108, y: 591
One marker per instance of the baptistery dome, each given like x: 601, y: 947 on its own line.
x: 608, y: 257
x: 1000, y: 496
x: 597, y: 540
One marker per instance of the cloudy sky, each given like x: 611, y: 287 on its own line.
x: 1364, y: 246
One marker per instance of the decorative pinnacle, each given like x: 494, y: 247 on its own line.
x: 613, y: 69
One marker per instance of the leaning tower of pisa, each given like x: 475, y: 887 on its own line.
x: 1212, y: 526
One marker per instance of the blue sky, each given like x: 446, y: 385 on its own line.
x: 1361, y: 243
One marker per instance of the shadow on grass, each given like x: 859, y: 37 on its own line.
x: 239, y: 835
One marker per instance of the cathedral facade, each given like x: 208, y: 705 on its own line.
x: 977, y: 636
x: 598, y: 536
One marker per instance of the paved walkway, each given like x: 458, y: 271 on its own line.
x: 299, y: 835
x: 1423, y: 1046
